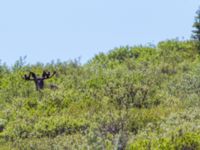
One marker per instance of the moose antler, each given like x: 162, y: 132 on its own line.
x: 39, y: 81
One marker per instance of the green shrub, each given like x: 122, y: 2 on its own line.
x: 140, y: 97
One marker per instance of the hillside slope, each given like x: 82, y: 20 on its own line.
x: 142, y: 97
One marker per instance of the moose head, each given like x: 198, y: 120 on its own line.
x: 39, y: 81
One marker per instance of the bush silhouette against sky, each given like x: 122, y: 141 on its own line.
x: 196, y: 25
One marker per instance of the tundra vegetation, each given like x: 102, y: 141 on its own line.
x: 133, y: 98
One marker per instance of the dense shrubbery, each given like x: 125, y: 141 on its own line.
x: 142, y: 97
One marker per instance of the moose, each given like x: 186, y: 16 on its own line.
x: 39, y: 81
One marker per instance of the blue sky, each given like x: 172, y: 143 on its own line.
x: 45, y: 30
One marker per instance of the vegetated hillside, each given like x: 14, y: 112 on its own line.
x: 141, y: 97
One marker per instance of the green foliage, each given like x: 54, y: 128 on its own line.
x: 189, y: 141
x: 141, y: 97
x: 178, y: 131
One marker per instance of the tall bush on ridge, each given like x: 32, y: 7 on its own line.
x: 196, y: 25
x: 196, y: 32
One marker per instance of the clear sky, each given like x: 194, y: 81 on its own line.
x: 45, y: 30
